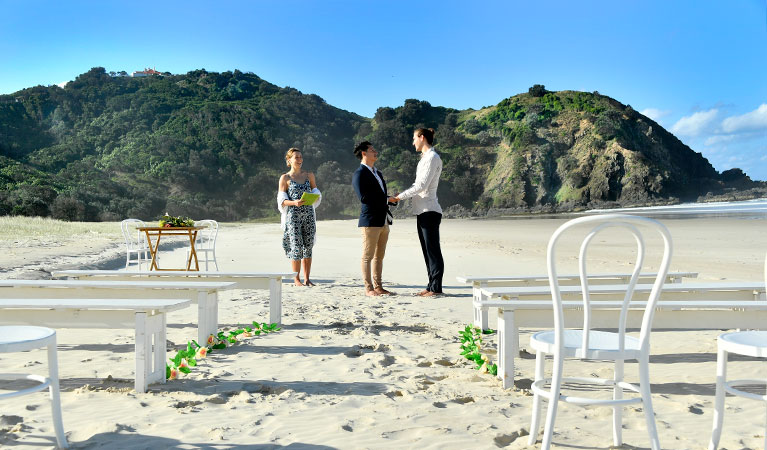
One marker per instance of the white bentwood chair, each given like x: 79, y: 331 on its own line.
x: 206, y: 241
x: 747, y: 343
x: 589, y: 344
x: 24, y: 338
x: 135, y: 241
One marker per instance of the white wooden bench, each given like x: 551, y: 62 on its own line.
x: 478, y: 283
x: 146, y: 316
x: 697, y: 305
x: 205, y: 294
x: 244, y: 280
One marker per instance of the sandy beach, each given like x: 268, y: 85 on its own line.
x: 347, y: 371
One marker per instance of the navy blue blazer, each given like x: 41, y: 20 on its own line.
x: 373, y: 199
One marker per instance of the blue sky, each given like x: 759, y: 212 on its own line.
x: 698, y: 67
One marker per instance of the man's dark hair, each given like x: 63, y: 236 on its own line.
x: 361, y: 147
x: 427, y: 133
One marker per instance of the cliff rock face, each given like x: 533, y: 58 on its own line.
x: 575, y: 149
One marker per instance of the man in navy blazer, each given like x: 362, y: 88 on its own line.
x: 375, y: 218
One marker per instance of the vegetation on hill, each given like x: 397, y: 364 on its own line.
x: 208, y: 144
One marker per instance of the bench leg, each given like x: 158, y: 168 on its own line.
x: 508, y: 345
x: 143, y: 349
x: 207, y: 310
x: 481, y: 318
x: 150, y: 350
x: 158, y: 326
x: 275, y: 301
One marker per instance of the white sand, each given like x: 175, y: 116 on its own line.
x: 348, y: 371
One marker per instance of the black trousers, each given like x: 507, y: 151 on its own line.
x: 428, y: 234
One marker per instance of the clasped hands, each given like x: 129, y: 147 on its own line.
x: 394, y: 199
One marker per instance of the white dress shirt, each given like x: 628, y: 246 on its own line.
x: 424, y: 190
x: 375, y: 174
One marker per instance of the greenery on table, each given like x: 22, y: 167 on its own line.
x: 172, y: 221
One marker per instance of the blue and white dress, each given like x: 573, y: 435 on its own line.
x: 300, y: 224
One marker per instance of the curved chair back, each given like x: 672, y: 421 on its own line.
x: 206, y: 239
x: 600, y: 223
x: 133, y: 240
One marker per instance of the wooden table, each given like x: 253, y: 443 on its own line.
x: 158, y: 232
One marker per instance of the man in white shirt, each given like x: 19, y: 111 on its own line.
x: 426, y: 208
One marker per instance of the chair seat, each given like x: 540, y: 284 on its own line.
x: 748, y: 343
x: 20, y: 338
x: 602, y: 345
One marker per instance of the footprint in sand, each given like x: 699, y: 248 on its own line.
x: 347, y: 427
x: 9, y: 422
x: 444, y: 363
x: 386, y: 361
x: 504, y: 440
x: 463, y: 400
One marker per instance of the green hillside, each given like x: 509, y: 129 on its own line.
x: 208, y: 144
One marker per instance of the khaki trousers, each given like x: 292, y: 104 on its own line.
x: 373, y: 249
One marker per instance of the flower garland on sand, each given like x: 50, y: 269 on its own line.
x: 186, y: 359
x: 471, y: 348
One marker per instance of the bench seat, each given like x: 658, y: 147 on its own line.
x: 244, y: 280
x: 480, y: 282
x: 205, y: 294
x: 146, y: 316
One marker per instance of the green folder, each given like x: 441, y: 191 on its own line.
x: 309, y: 198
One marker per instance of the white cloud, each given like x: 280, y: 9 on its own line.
x: 701, y: 122
x: 62, y: 84
x: 720, y: 139
x: 655, y: 114
x: 753, y: 120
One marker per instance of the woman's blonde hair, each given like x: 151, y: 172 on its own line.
x: 289, y: 154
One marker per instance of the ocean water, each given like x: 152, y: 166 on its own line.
x: 748, y: 209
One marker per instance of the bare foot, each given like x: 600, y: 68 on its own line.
x: 431, y: 294
x: 382, y: 291
x: 297, y: 282
x: 308, y: 283
x: 372, y: 293
x: 422, y: 293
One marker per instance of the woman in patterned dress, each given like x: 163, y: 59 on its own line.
x: 298, y: 220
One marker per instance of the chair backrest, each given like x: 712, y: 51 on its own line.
x: 133, y: 239
x: 598, y: 224
x: 207, y: 237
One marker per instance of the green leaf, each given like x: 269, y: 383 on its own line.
x: 493, y: 369
x: 219, y: 345
x: 184, y: 369
x: 167, y: 371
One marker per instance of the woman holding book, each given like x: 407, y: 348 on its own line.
x: 296, y: 199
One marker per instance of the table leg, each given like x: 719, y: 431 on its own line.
x: 153, y: 250
x: 192, y: 252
